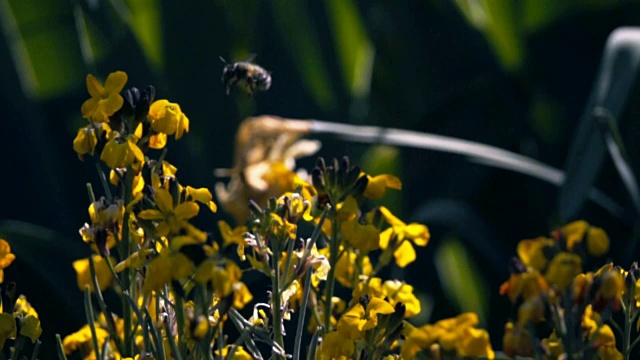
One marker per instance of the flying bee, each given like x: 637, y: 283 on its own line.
x: 253, y: 76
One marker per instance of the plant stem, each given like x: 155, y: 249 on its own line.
x: 126, y: 273
x: 275, y: 297
x: 303, y: 310
x: 331, y: 278
x: 626, y: 337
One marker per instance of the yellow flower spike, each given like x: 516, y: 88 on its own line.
x: 531, y: 252
x: 105, y: 101
x: 6, y: 257
x: 203, y: 196
x: 120, y: 152
x: 103, y: 273
x: 7, y: 328
x: 31, y: 328
x: 562, y: 269
x: 597, y: 241
x: 336, y: 346
x: 475, y: 343
x: 134, y: 261
x: 377, y: 185
x: 166, y: 117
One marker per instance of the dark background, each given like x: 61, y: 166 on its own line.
x: 513, y: 74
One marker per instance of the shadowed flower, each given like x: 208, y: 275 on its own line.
x: 6, y: 257
x: 355, y: 322
x: 83, y: 272
x: 105, y: 101
x: 378, y: 185
x: 120, y: 152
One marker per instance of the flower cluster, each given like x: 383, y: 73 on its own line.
x: 181, y: 287
x: 19, y: 321
x: 561, y: 310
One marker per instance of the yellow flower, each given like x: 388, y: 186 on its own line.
x: 348, y: 270
x: 170, y: 219
x: 6, y: 257
x: 517, y: 341
x: 364, y: 237
x: 23, y: 308
x: 572, y: 233
x: 134, y: 261
x: 359, y: 319
x: 105, y: 101
x: 82, y: 339
x: 417, y: 234
x: 531, y: 252
x: 597, y: 241
x: 203, y: 196
x: 241, y: 295
x: 529, y: 284
x: 417, y: 339
x: 451, y: 331
x: 223, y: 276
x: 7, y: 328
x: 87, y: 138
x: 475, y: 343
x: 120, y: 152
x: 166, y: 117
x: 336, y: 346
x: 169, y: 265
x: 240, y: 353
x: 563, y: 268
x: 83, y: 272
x: 377, y: 185
x: 31, y: 328
x: 398, y: 291
x: 553, y: 345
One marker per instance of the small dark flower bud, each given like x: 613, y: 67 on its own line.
x: 320, y: 163
x: 359, y: 187
x: 364, y: 301
x: 317, y: 179
x: 100, y: 238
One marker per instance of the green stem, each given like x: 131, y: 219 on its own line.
x: 626, y: 337
x: 303, y: 310
x: 103, y: 306
x: 275, y: 297
x: 60, y: 348
x: 18, y: 347
x: 103, y: 180
x: 36, y: 350
x: 182, y: 340
x: 88, y: 310
x: 125, y: 248
x: 331, y: 278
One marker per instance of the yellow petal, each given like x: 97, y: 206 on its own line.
x: 404, y: 254
x: 115, y: 82
x: 186, y: 210
x: 95, y: 88
x: 151, y: 214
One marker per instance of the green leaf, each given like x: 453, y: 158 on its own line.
x: 355, y: 50
x: 292, y: 20
x: 44, y: 49
x: 146, y: 25
x: 460, y: 278
x: 616, y: 76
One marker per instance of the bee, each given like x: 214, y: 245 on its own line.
x: 253, y: 76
